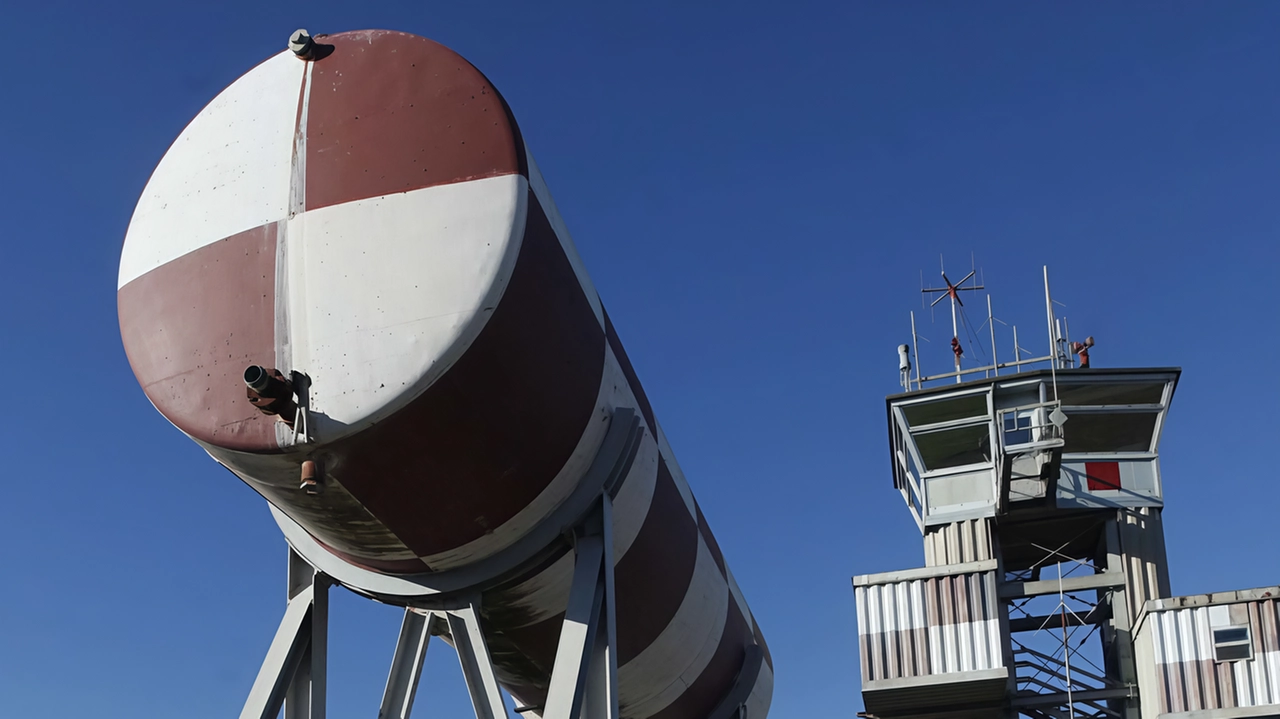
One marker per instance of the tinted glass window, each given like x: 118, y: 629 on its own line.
x: 1109, y: 432
x: 1231, y: 651
x: 946, y: 410
x: 1111, y: 393
x: 955, y: 447
x: 1234, y: 634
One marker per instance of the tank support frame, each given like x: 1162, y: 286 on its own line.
x: 293, y: 674
x: 584, y: 677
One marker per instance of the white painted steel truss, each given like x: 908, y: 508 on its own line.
x: 584, y: 679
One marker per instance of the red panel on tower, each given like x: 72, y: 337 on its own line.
x: 1102, y: 475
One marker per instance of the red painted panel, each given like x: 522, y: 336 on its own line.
x: 1102, y: 475
x: 192, y: 325
x: 391, y: 112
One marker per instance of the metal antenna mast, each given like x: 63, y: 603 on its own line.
x: 953, y: 290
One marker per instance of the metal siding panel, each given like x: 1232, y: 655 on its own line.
x: 1168, y: 680
x: 1190, y: 678
x: 893, y: 631
x: 919, y: 634
x: 1204, y: 634
x: 1268, y: 615
x: 929, y: 626
x: 1274, y: 677
x: 1242, y: 682
x: 876, y: 641
x: 864, y: 656
x: 878, y: 634
x: 1224, y: 694
x: 951, y: 633
x: 1186, y: 662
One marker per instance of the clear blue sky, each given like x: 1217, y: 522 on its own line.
x: 755, y: 190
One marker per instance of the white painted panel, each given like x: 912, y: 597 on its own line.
x: 762, y: 694
x: 971, y: 646
x: 543, y: 595
x: 386, y: 293
x: 631, y: 506
x: 1219, y: 616
x: 659, y: 674
x: 229, y: 171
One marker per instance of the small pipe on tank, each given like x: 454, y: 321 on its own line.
x: 312, y: 477
x: 271, y: 392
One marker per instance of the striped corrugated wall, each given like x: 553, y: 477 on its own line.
x: 968, y: 540
x: 1189, y: 679
x: 1145, y: 564
x: 929, y: 626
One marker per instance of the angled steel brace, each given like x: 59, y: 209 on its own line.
x: 584, y: 678
x: 477, y: 667
x: 406, y: 665
x: 293, y: 672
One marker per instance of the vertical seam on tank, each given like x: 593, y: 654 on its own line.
x: 298, y: 181
x: 297, y: 205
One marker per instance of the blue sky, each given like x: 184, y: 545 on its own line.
x: 755, y: 190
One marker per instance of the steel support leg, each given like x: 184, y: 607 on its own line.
x: 584, y: 678
x: 477, y: 667
x: 406, y: 665
x: 293, y: 672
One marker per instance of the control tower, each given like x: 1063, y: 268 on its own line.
x: 1037, y: 489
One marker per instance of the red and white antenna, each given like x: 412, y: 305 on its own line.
x: 952, y: 291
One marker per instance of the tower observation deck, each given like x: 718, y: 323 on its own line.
x: 1045, y: 593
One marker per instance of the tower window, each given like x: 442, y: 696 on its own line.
x: 1232, y: 643
x: 1017, y: 428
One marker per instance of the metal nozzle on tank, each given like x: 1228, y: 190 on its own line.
x: 271, y: 392
x: 312, y: 477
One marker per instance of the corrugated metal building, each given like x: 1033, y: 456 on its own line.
x: 930, y: 637
x: 1210, y: 656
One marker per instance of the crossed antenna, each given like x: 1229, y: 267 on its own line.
x: 952, y: 291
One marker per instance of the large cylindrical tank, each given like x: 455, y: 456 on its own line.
x: 371, y: 219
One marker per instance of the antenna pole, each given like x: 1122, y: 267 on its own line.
x: 1066, y: 343
x: 1053, y: 344
x: 952, y: 292
x: 1048, y: 311
x: 1017, y: 353
x: 914, y: 351
x: 955, y: 332
x: 991, y: 324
